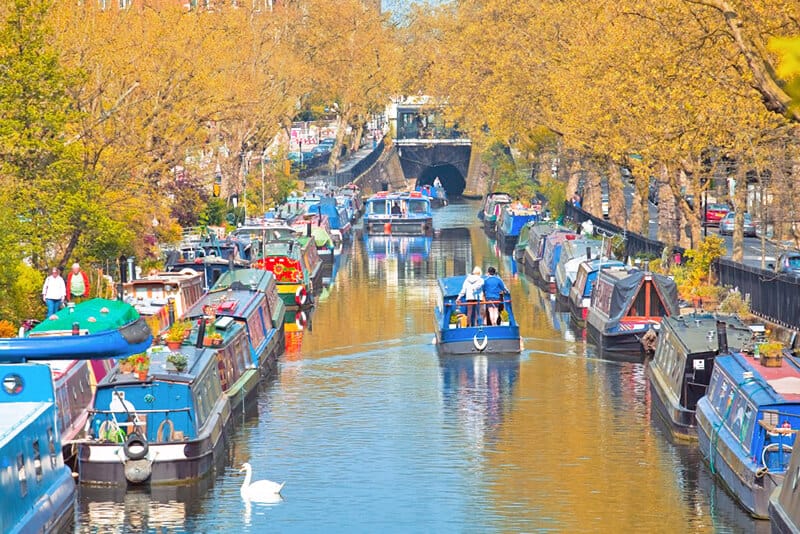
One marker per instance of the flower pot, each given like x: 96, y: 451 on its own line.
x: 173, y: 345
x: 142, y: 374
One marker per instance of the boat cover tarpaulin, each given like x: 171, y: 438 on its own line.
x: 95, y: 315
x: 626, y: 289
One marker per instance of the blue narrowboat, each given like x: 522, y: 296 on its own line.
x: 625, y: 306
x: 492, y: 205
x: 398, y: 214
x: 551, y: 255
x: 246, y: 300
x: 455, y: 336
x: 746, y: 425
x: 436, y: 193
x: 509, y: 224
x: 37, y: 488
x: 683, y: 362
x: 580, y: 294
x: 338, y: 219
x: 535, y: 246
x: 573, y: 253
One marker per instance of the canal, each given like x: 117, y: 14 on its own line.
x: 373, y: 432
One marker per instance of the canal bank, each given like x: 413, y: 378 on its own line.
x: 371, y: 430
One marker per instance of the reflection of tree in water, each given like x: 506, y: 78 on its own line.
x: 479, y: 390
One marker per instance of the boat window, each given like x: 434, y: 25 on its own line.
x: 720, y: 401
x: 377, y: 207
x: 639, y: 307
x: 13, y: 384
x: 747, y: 423
x: 735, y: 417
x: 602, y: 295
x: 712, y: 387
x: 417, y: 206
x: 677, y: 363
x: 37, y: 460
x: 51, y: 446
x: 656, y: 306
x: 23, y: 480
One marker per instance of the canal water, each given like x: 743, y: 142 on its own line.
x: 373, y: 432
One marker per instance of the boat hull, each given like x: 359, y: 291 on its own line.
x: 506, y: 242
x: 479, y: 340
x: 679, y: 421
x: 726, y: 466
x: 780, y: 521
x: 624, y: 346
x: 53, y: 511
x: 400, y: 227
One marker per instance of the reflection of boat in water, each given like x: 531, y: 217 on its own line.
x: 406, y: 248
x: 479, y: 388
x: 560, y: 319
x: 295, y: 323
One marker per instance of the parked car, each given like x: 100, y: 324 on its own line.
x: 715, y: 212
x: 320, y: 150
x: 327, y: 143
x: 652, y: 191
x: 788, y: 262
x: 726, y: 225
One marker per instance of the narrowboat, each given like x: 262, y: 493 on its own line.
x: 553, y: 244
x: 534, y: 245
x: 75, y: 377
x: 784, y: 503
x: 509, y: 224
x: 398, y: 214
x: 165, y: 423
x: 580, y: 294
x: 683, y: 361
x: 490, y: 210
x: 455, y: 336
x: 625, y: 306
x: 297, y: 268
x: 339, y: 221
x: 211, y: 257
x: 37, y: 488
x: 573, y: 253
x: 162, y: 297
x: 248, y: 298
x: 436, y: 194
x: 350, y: 202
x: 746, y: 425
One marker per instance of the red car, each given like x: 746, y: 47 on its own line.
x: 714, y: 213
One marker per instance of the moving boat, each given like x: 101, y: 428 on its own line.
x: 490, y: 210
x: 398, y: 214
x: 455, y: 336
x: 510, y: 223
x: 746, y: 425
x: 436, y: 194
x: 580, y: 294
x: 684, y: 359
x: 625, y: 306
x: 37, y: 489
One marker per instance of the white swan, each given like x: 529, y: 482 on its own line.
x: 261, y: 490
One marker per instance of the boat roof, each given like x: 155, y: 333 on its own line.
x: 697, y: 333
x: 197, y: 361
x: 626, y: 286
x: 166, y: 278
x: 783, y: 381
x: 243, y: 279
x: 233, y: 302
x: 95, y: 315
x: 14, y: 415
x: 398, y: 195
x: 601, y: 263
x: 450, y: 286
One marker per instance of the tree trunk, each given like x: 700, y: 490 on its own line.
x: 573, y: 174
x: 668, y: 217
x: 591, y: 190
x: 342, y: 122
x: 617, y: 209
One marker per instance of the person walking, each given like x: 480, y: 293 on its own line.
x: 493, y: 291
x: 471, y: 291
x: 77, y: 285
x: 54, y: 291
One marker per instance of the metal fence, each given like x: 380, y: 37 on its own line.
x: 635, y: 245
x: 775, y: 297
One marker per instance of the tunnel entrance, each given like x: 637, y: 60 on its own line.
x: 452, y: 179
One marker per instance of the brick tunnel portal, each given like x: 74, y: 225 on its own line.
x: 452, y: 179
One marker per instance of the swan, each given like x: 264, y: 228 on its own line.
x: 260, y: 490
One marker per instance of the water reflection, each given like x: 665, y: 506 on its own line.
x: 478, y: 390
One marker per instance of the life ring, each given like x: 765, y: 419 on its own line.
x: 140, y: 445
x: 480, y: 346
x: 301, y: 296
x: 160, y: 433
x: 300, y: 320
x: 187, y: 271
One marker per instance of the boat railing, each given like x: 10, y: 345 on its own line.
x: 778, y: 441
x: 109, y: 425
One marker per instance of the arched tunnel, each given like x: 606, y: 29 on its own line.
x: 452, y: 179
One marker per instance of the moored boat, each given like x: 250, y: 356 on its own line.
x: 535, y: 246
x: 573, y: 253
x: 580, y: 294
x: 455, y: 336
x: 784, y: 503
x: 338, y: 219
x: 625, y: 306
x: 162, y: 297
x: 398, y: 214
x: 746, y: 426
x: 681, y: 367
x: 490, y: 210
x: 510, y: 222
x: 37, y: 488
x: 553, y: 243
x: 297, y: 269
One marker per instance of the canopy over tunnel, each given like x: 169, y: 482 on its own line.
x: 452, y: 179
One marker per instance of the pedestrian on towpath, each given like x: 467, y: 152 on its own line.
x: 77, y: 285
x: 54, y: 291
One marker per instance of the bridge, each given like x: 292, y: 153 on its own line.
x: 428, y: 147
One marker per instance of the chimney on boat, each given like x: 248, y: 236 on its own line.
x: 201, y: 332
x: 722, y: 337
x: 308, y: 229
x: 588, y: 253
x: 171, y: 309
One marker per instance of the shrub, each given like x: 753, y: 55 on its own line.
x: 7, y: 329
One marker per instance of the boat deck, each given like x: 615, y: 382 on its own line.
x: 15, y: 415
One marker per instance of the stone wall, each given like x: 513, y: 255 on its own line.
x: 478, y: 176
x: 385, y: 175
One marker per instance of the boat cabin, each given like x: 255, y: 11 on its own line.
x: 398, y: 214
x: 151, y: 296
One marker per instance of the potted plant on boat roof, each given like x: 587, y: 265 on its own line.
x: 141, y: 364
x: 178, y: 360
x: 213, y: 339
x: 176, y: 334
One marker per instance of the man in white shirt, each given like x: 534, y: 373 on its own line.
x: 54, y: 291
